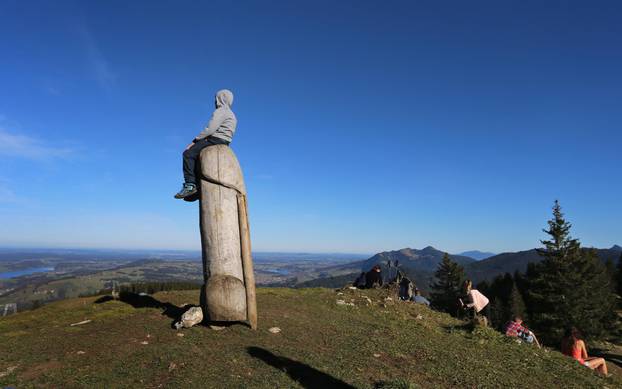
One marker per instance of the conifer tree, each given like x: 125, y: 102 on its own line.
x: 484, y: 287
x: 516, y: 305
x: 506, y: 300
x: 498, y: 313
x: 447, y: 288
x: 522, y: 284
x: 611, y: 268
x: 570, y: 287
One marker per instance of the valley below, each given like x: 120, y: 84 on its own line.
x: 31, y: 278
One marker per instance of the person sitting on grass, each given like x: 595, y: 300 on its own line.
x: 219, y: 131
x: 573, y: 346
x: 419, y: 299
x: 360, y: 281
x: 515, y: 329
x: 373, y: 278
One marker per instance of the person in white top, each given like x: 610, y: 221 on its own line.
x: 474, y: 301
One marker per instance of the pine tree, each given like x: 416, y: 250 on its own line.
x: 484, y: 287
x: 498, y: 313
x: 516, y: 305
x: 522, y: 285
x: 446, y: 289
x: 506, y: 300
x: 570, y: 287
x: 612, y: 273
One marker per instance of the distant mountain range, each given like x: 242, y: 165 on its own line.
x: 420, y: 265
x: 478, y: 255
x: 426, y: 259
x: 511, y: 262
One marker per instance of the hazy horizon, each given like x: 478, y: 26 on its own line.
x: 297, y: 252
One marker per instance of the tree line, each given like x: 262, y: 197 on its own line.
x: 570, y: 287
x: 158, y: 286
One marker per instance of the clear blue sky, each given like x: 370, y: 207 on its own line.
x: 363, y: 126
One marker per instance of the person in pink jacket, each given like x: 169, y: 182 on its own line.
x: 473, y: 301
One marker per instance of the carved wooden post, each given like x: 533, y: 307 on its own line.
x: 228, y: 293
x: 247, y: 262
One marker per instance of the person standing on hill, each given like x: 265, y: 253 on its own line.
x: 472, y: 301
x: 360, y: 281
x: 573, y: 346
x: 219, y: 131
x: 406, y: 289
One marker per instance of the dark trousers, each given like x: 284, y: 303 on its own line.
x: 192, y: 154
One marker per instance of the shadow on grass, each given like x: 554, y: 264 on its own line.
x: 146, y: 301
x: 305, y: 375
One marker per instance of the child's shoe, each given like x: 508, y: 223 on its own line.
x: 186, y: 190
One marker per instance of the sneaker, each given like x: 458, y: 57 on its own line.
x: 186, y: 190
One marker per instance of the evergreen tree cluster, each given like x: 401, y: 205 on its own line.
x: 506, y: 299
x: 570, y: 287
x: 153, y: 287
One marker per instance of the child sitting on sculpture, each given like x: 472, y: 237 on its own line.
x: 219, y: 131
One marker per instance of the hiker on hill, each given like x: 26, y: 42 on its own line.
x: 360, y: 281
x: 406, y: 289
x: 400, y: 275
x: 419, y: 299
x: 472, y: 301
x: 393, y: 273
x: 515, y: 329
x: 219, y: 131
x: 373, y: 278
x: 573, y: 346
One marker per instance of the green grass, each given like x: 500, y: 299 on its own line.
x: 383, y: 344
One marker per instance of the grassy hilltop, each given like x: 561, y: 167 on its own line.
x: 374, y: 342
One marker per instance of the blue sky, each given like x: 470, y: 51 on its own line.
x: 363, y: 126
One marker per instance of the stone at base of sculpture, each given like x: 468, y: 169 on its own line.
x: 228, y: 293
x: 191, y: 317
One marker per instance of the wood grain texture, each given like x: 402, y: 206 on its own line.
x: 247, y: 262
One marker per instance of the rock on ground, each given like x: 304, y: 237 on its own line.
x: 191, y: 317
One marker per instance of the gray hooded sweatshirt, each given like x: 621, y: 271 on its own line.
x: 223, y: 122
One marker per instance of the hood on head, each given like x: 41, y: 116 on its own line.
x: 224, y: 97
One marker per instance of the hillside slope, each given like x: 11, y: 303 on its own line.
x: 500, y: 264
x: 322, y: 344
